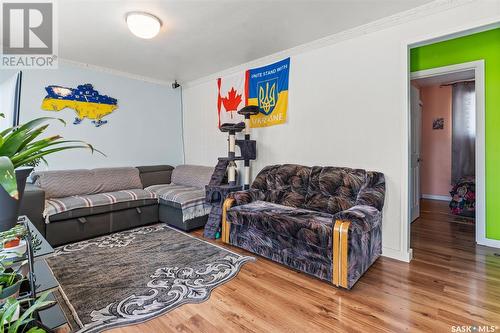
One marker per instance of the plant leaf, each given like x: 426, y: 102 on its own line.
x: 19, y: 145
x: 33, y: 148
x: 38, y: 121
x: 8, y: 177
x: 42, y: 153
x: 39, y: 303
x: 36, y: 330
x: 13, y: 142
x: 9, y: 308
x: 30, y: 125
x: 33, y: 135
x: 49, y: 142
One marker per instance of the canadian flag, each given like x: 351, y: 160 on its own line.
x: 232, y: 96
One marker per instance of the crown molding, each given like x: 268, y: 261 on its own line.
x: 115, y: 72
x: 430, y: 8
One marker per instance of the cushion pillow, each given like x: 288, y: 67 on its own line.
x: 333, y: 189
x: 66, y: 183
x: 284, y: 184
x: 192, y: 175
x: 116, y: 179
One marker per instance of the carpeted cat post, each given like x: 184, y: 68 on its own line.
x: 216, y: 191
x: 247, y: 146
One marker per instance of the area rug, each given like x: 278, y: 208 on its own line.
x: 133, y: 276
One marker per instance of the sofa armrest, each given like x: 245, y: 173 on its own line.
x: 33, y: 205
x: 357, y: 243
x: 246, y: 197
x: 363, y: 218
x: 237, y: 199
x: 228, y: 203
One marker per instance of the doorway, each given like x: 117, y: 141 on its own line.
x: 447, y: 149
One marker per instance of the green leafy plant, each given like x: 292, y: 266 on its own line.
x: 9, y: 308
x: 10, y: 279
x: 21, y: 146
x: 9, y: 276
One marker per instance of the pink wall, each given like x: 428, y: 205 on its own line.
x: 436, y: 144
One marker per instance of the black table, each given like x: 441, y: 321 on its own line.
x: 40, y: 276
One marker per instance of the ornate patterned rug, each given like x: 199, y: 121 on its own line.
x: 136, y: 275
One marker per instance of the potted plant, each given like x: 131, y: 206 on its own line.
x: 10, y: 280
x: 16, y: 319
x: 20, y: 149
x: 9, y: 285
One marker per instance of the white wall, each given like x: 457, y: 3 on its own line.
x: 347, y: 105
x: 8, y: 93
x: 145, y: 129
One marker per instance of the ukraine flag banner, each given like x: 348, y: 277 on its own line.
x: 268, y: 89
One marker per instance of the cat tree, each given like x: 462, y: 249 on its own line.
x: 216, y: 190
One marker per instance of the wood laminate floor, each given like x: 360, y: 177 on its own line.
x: 451, y: 281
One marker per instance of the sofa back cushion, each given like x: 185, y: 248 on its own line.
x: 333, y: 189
x: 116, y: 179
x: 372, y: 193
x: 192, y: 175
x: 65, y: 183
x: 284, y: 184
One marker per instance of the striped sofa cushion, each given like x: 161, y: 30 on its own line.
x: 189, y: 198
x: 55, y: 206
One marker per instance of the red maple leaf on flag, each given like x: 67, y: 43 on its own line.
x: 232, y: 100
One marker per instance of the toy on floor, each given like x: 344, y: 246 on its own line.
x: 216, y: 191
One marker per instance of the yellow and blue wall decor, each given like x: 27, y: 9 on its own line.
x: 84, y: 100
x: 268, y: 89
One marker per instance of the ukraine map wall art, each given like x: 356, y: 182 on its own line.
x: 265, y: 87
x: 84, y: 100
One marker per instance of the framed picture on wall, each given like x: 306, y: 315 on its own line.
x: 438, y: 124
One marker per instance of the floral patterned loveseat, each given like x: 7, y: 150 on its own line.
x: 324, y: 221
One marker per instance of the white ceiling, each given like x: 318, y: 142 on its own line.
x: 199, y: 38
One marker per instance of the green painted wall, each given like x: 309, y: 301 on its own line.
x: 483, y: 45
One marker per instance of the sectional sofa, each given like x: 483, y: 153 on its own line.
x: 73, y: 205
x: 324, y: 221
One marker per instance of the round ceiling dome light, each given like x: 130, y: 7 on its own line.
x: 143, y: 25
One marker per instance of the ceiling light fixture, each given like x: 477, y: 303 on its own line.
x: 143, y: 25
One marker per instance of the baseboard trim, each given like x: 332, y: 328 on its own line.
x: 436, y: 197
x: 398, y: 255
x: 489, y: 242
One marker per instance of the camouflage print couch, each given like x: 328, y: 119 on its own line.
x: 324, y: 221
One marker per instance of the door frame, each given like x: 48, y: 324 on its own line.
x: 478, y: 67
